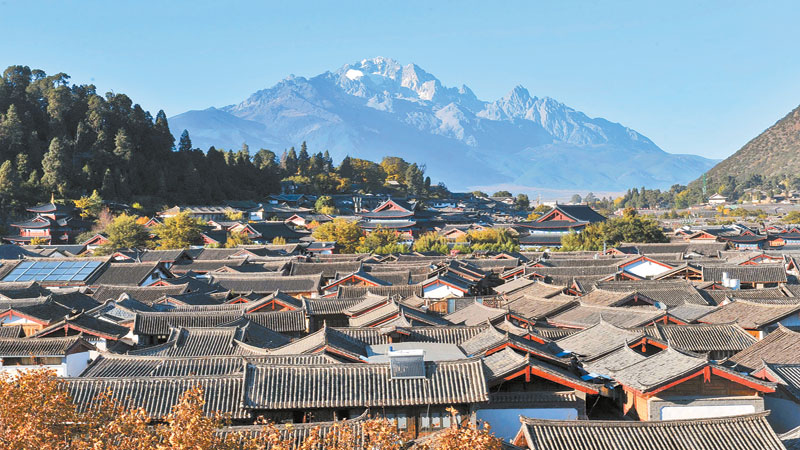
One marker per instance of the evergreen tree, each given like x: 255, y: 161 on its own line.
x: 9, y: 183
x: 54, y: 170
x: 185, y: 142
x: 123, y: 147
x: 303, y: 160
x: 346, y: 168
x: 12, y: 134
x: 415, y: 184
x: 327, y: 162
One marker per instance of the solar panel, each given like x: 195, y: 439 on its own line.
x: 52, y: 271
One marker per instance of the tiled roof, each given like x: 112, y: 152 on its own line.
x: 598, y: 339
x: 781, y: 346
x: 749, y: 314
x: 703, y: 338
x: 157, y: 395
x: 266, y: 282
x: 401, y: 291
x: 216, y: 341
x: 121, y: 366
x: 539, y: 308
x: 749, y: 432
x: 475, y: 314
x: 23, y: 347
x: 327, y: 269
x: 584, y: 316
x: 131, y: 274
x: 760, y: 273
x: 363, y: 385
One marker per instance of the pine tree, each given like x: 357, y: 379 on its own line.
x: 123, y: 147
x: 9, y: 182
x: 185, y: 143
x: 54, y: 176
x: 12, y: 134
x: 346, y: 168
x: 303, y: 160
x: 327, y: 162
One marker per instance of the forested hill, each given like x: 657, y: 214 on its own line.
x: 770, y: 159
x: 67, y: 140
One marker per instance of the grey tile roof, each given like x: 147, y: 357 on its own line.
x: 157, y: 395
x: 475, y: 314
x: 12, y: 331
x: 507, y: 361
x: 750, y: 432
x: 703, y: 338
x: 89, y: 325
x: 584, y: 316
x: 613, y: 361
x: 329, y: 340
x: 265, y: 283
x: 760, y: 273
x: 788, y: 375
x: 401, y: 291
x: 781, y: 346
x: 670, y: 293
x: 598, y: 339
x: 533, y: 308
x: 363, y: 385
x: 130, y: 274
x: 216, y: 341
x: 659, y: 369
x: 323, y: 306
x: 749, y: 314
x: 121, y: 366
x: 327, y: 269
x: 689, y: 313
x: 491, y: 338
x: 57, y: 346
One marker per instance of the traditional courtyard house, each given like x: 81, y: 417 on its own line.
x: 746, y: 241
x: 757, y: 317
x: 132, y: 274
x: 645, y: 267
x: 66, y: 356
x: 321, y: 247
x: 358, y: 278
x: 521, y: 385
x: 717, y: 199
x: 266, y: 283
x: 205, y: 213
x: 327, y: 270
x: 392, y: 215
x: 563, y: 219
x: 147, y: 295
x: 746, y: 432
x: 584, y: 315
x: 53, y: 223
x: 447, y: 285
x: 718, y: 341
x: 305, y: 220
x: 527, y: 311
x: 266, y: 232
x: 753, y: 276
x: 673, y: 384
x: 103, y: 334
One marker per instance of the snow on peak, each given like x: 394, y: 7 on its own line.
x: 353, y: 74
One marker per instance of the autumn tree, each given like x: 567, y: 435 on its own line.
x: 463, y: 436
x: 178, y: 231
x: 125, y: 232
x: 236, y: 239
x: 381, y: 241
x: 346, y: 234
x: 89, y: 205
x: 325, y: 205
x: 431, y: 242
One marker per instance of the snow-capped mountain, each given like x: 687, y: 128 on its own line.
x: 378, y: 107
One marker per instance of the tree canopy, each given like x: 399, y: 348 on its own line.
x: 628, y: 228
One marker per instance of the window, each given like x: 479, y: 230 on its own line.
x: 437, y: 419
x: 401, y: 420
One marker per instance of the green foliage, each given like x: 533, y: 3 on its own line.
x: 522, y: 202
x: 479, y: 194
x: 90, y: 205
x: 502, y: 194
x: 124, y: 232
x: 493, y: 239
x: 629, y: 228
x: 792, y: 218
x: 236, y: 239
x: 346, y: 234
x: 178, y: 231
x: 325, y: 205
x: 381, y: 241
x: 431, y: 242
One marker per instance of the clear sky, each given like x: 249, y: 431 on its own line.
x: 695, y: 77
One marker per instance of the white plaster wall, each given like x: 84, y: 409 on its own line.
x: 645, y: 269
x: 705, y: 411
x: 440, y: 291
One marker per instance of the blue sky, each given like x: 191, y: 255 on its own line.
x: 695, y: 77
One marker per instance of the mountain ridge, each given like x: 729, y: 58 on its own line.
x: 378, y: 107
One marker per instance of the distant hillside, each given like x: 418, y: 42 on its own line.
x: 378, y: 107
x: 773, y: 153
